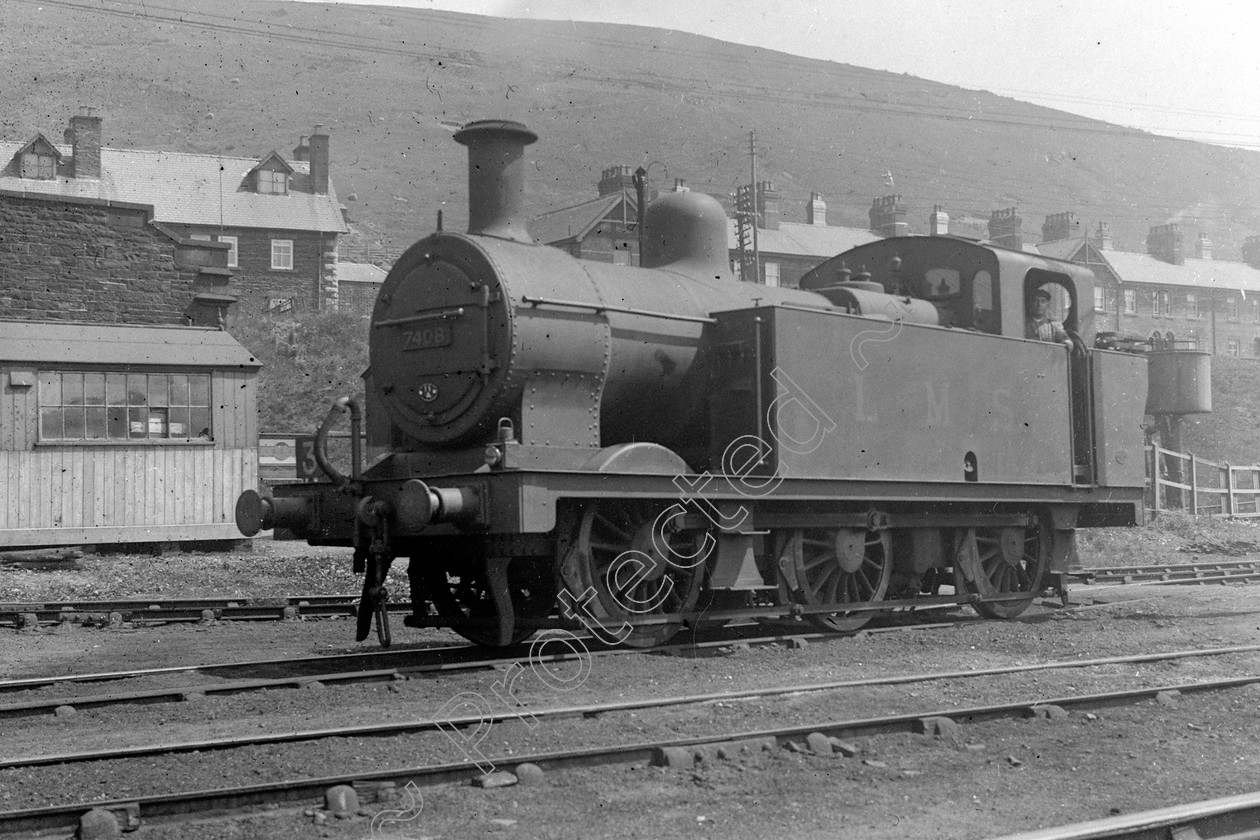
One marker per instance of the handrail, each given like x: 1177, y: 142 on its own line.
x: 340, y: 406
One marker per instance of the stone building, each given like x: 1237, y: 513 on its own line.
x: 278, y: 219
x: 92, y: 260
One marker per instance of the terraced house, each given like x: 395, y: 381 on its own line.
x: 277, y: 217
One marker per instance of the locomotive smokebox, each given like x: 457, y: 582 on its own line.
x: 496, y: 178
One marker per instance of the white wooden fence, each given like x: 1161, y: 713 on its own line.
x: 1183, y: 481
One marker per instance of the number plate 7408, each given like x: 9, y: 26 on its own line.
x: 426, y: 338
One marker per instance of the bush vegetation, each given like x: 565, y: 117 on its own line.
x: 309, y: 360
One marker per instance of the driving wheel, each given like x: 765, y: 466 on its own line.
x: 837, y: 566
x: 998, y: 562
x: 637, y: 567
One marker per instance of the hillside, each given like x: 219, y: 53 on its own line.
x: 1231, y: 433
x: 246, y: 76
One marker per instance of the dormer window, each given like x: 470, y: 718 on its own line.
x: 273, y: 182
x: 39, y: 167
x: 271, y: 175
x: 38, y: 160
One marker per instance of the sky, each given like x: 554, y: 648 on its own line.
x: 1187, y: 68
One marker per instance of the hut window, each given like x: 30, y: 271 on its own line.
x: 89, y: 406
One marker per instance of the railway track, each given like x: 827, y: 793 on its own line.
x: 148, y: 611
x: 380, y: 786
x: 1239, y: 571
x: 151, y: 611
x: 595, y: 710
x: 372, y: 666
x: 155, y: 611
x: 1227, y: 818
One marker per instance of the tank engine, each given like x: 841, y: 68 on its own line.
x: 560, y: 441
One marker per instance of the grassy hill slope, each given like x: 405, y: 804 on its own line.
x: 1231, y: 433
x: 246, y: 76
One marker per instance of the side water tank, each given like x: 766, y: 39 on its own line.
x: 1180, y: 382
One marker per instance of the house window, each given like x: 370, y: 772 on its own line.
x: 1231, y: 308
x: 1104, y: 299
x: 38, y: 167
x: 1192, y: 306
x: 1130, y: 302
x: 1233, y: 347
x: 1255, y: 311
x: 273, y: 182
x: 232, y: 253
x: 282, y: 254
x: 772, y: 274
x: 278, y: 305
x: 1163, y: 304
x: 77, y: 406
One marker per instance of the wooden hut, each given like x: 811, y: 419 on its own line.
x: 123, y: 434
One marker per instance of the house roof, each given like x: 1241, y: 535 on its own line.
x: 37, y: 140
x: 352, y: 272
x: 268, y: 158
x: 576, y: 221
x: 66, y: 342
x: 1061, y: 249
x: 803, y: 240
x: 191, y: 189
x: 1203, y: 274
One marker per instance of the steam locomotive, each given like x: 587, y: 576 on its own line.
x: 641, y: 449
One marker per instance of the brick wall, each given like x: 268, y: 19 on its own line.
x: 309, y: 286
x: 86, y: 260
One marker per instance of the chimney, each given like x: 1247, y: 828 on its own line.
x: 1006, y: 228
x: 318, y: 143
x: 1103, y: 237
x: 496, y: 177
x: 1251, y: 251
x: 1059, y: 226
x: 816, y: 210
x: 938, y: 221
x: 768, y: 213
x: 616, y: 179
x: 302, y: 151
x: 888, y: 216
x: 1204, y: 249
x: 1164, y: 243
x: 85, y: 137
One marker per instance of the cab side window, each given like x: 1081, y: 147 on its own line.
x: 984, y: 308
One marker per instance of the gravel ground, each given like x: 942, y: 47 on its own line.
x: 995, y: 778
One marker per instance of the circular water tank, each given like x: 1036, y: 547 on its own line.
x: 1180, y: 382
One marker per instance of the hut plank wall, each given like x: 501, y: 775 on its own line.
x: 65, y: 494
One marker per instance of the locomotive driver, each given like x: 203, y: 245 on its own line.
x: 1040, y: 325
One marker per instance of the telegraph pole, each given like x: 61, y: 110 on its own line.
x: 752, y: 154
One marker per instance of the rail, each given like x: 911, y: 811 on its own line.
x: 1183, y: 481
